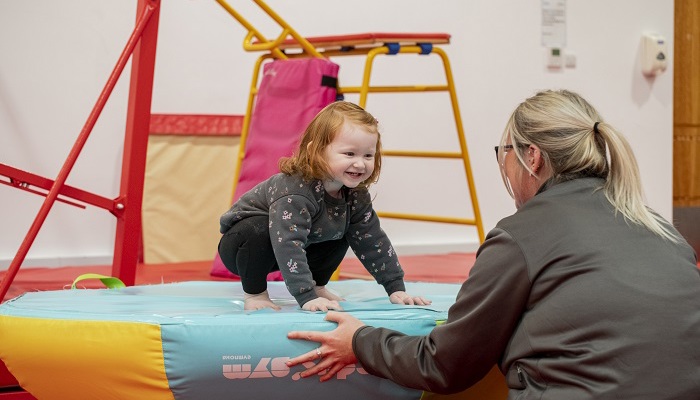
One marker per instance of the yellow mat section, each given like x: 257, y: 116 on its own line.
x: 129, y: 354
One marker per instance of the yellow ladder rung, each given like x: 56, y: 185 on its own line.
x: 395, y: 89
x: 427, y: 218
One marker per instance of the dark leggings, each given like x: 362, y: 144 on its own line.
x: 246, y: 250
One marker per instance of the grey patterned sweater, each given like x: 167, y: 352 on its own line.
x: 302, y: 213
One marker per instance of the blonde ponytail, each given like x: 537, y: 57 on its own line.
x: 623, y: 186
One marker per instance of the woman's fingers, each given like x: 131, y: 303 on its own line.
x: 331, y: 372
x: 301, y: 359
x: 314, y: 354
x: 335, y: 316
x: 324, y: 367
x: 317, y: 369
x: 312, y: 336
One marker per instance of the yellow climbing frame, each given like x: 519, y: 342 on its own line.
x: 290, y: 44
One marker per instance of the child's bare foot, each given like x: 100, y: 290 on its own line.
x: 321, y: 291
x: 258, y: 301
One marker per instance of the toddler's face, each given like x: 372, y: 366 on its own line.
x: 350, y: 158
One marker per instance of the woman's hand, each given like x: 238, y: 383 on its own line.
x: 335, y: 351
x: 400, y: 297
x: 321, y: 304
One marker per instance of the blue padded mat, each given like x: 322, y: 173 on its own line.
x: 214, y: 349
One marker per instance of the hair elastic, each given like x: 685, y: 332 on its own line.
x: 595, y: 128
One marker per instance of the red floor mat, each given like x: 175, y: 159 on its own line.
x: 451, y: 268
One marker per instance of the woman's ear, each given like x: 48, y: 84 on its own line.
x: 534, y: 157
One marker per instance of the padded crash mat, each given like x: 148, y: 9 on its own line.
x: 193, y: 340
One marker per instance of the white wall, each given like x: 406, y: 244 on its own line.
x: 56, y: 56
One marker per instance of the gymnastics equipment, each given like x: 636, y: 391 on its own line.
x: 193, y: 340
x: 290, y: 45
x: 141, y: 47
x: 126, y: 206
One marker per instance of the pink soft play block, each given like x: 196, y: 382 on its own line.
x: 290, y: 95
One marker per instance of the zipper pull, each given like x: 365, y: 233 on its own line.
x: 520, y: 374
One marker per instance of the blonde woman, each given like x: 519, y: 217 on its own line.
x: 583, y: 293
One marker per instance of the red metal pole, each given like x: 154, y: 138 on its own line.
x: 128, y: 237
x: 146, y: 13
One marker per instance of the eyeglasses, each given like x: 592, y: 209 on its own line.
x: 505, y: 147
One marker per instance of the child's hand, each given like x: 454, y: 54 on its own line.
x: 321, y: 291
x: 400, y: 297
x: 321, y: 304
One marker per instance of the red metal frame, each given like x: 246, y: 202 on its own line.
x: 128, y: 239
x: 141, y: 47
x: 24, y: 181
